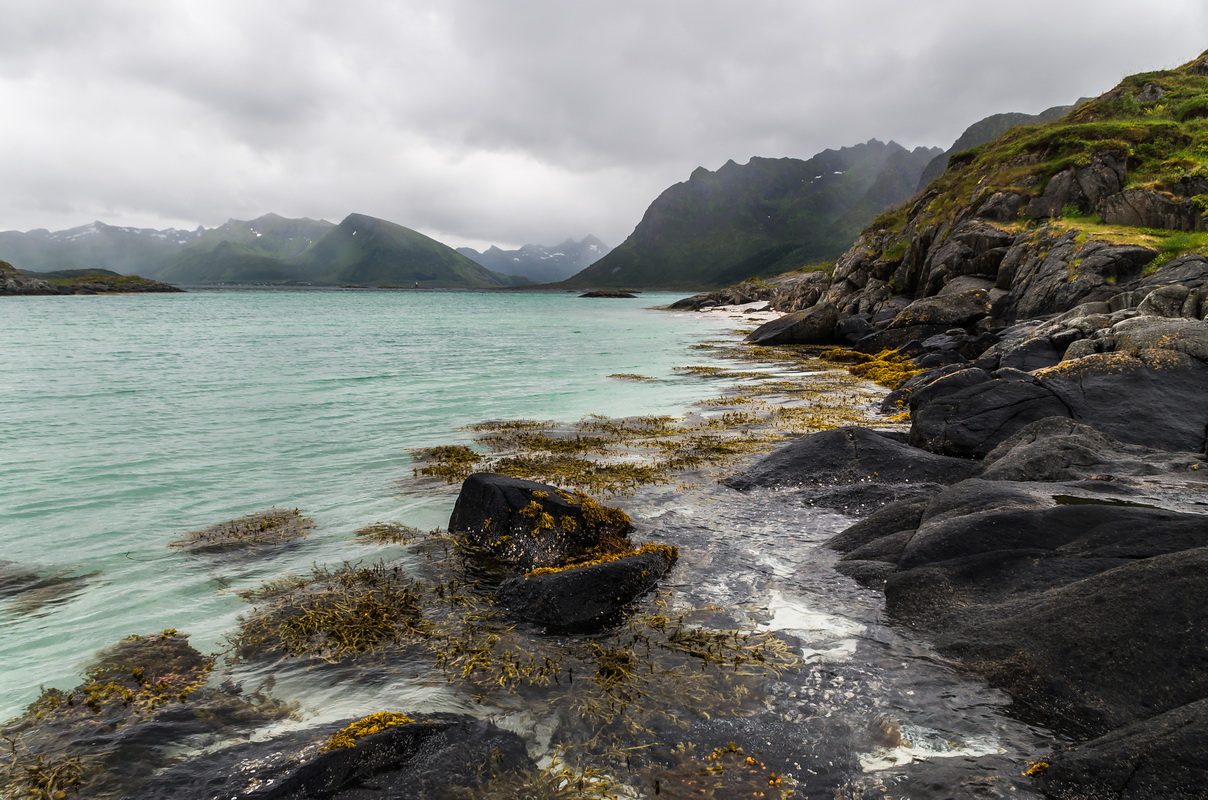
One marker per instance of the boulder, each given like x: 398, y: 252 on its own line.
x: 530, y: 525
x: 900, y: 516
x: 1158, y: 398
x: 949, y: 310
x: 815, y: 325
x: 1081, y: 187
x: 585, y: 597
x: 967, y: 414
x: 421, y: 760
x: 1060, y: 449
x: 1096, y: 653
x: 849, y: 456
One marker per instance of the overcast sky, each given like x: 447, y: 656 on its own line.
x: 508, y: 121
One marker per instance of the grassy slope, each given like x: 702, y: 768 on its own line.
x: 1165, y: 141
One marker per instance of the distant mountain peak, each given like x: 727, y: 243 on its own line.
x: 540, y: 263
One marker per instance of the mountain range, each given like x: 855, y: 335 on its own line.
x: 360, y: 250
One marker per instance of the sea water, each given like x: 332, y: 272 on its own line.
x: 130, y: 420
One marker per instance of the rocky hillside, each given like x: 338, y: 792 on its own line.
x: 760, y: 219
x: 540, y: 263
x: 1042, y: 308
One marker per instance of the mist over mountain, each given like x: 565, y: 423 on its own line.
x: 540, y: 263
x: 768, y: 216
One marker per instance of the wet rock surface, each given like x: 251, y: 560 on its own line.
x: 586, y: 596
x: 429, y: 758
x: 1067, y: 573
x: 568, y: 563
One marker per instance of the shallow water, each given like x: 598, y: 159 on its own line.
x: 133, y: 419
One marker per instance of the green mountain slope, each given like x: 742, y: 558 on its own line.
x: 373, y: 252
x: 987, y: 130
x: 771, y: 215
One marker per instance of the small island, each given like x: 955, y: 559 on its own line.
x: 75, y: 281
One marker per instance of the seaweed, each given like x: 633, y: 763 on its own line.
x: 264, y: 529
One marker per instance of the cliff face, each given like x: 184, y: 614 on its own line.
x: 761, y: 218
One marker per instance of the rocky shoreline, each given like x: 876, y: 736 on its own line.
x: 1045, y: 520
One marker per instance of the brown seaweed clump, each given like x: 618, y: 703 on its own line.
x: 265, y: 529
x: 332, y: 614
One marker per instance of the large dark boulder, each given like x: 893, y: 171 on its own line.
x: 1161, y: 758
x: 1158, y: 398
x: 967, y: 414
x: 1146, y: 208
x: 529, y: 524
x: 846, y: 456
x: 1060, y: 449
x: 949, y: 310
x: 814, y: 325
x: 1097, y: 653
x: 415, y: 761
x: 585, y: 597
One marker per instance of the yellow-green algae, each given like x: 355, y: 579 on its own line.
x: 374, y: 723
x: 669, y: 552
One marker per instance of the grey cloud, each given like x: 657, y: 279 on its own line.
x: 530, y: 120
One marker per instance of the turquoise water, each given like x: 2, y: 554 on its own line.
x: 131, y: 419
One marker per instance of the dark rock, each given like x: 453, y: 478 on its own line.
x: 585, y: 597
x: 416, y: 761
x: 858, y: 500
x: 1159, y: 399
x: 893, y: 338
x: 1081, y: 187
x: 1030, y: 354
x: 900, y: 516
x: 1100, y: 652
x: 968, y: 416
x: 1165, y: 756
x: 1060, y: 449
x: 614, y: 293
x: 531, y: 524
x: 813, y: 326
x: 948, y: 310
x: 1146, y: 208
x: 1002, y: 207
x: 848, y: 456
x: 872, y: 574
x: 966, y: 283
x: 851, y: 329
